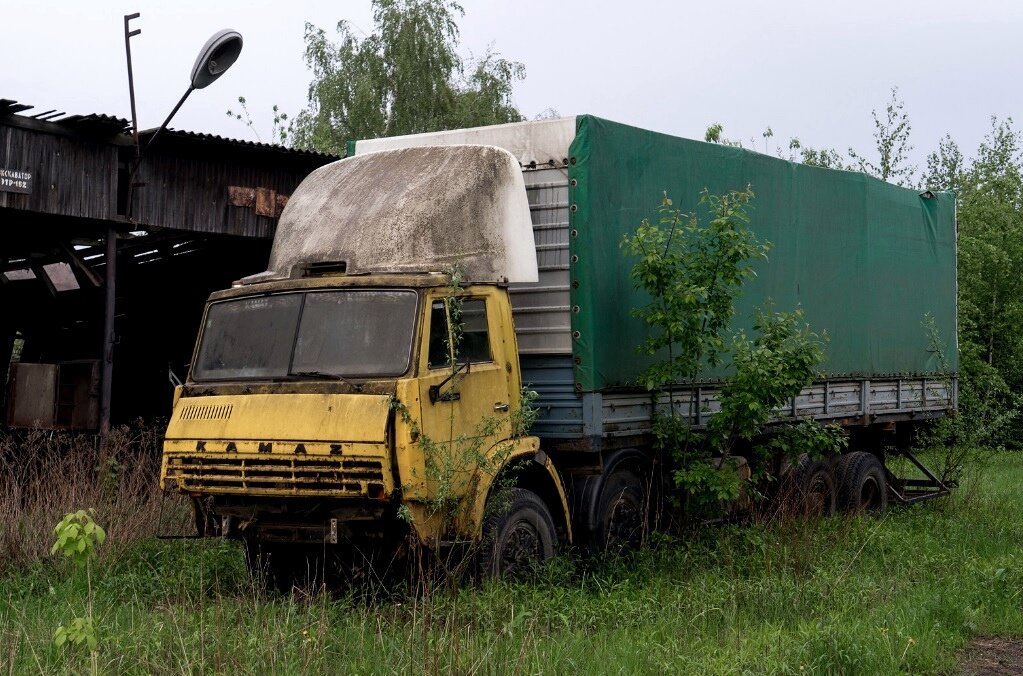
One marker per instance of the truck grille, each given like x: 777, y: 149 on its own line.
x: 233, y: 473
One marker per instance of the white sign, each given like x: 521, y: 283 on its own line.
x: 15, y: 181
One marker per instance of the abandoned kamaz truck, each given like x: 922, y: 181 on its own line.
x: 328, y: 395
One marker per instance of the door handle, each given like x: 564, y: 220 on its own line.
x: 501, y: 408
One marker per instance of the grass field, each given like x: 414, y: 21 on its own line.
x: 900, y: 593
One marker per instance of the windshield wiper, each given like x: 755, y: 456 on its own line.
x: 325, y: 374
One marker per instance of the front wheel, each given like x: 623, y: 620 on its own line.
x: 283, y: 567
x: 517, y: 536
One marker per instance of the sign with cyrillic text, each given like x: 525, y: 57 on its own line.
x: 15, y: 181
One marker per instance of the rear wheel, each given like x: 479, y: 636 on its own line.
x: 519, y: 535
x: 621, y: 514
x: 862, y: 483
x: 810, y: 489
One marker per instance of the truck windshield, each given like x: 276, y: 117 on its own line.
x: 363, y: 333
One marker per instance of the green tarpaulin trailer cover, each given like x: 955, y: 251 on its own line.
x: 868, y: 262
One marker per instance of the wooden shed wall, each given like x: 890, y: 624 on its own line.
x: 71, y: 176
x: 189, y: 191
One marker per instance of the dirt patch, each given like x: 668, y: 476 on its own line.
x: 993, y: 656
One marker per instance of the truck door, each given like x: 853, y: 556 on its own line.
x: 465, y: 380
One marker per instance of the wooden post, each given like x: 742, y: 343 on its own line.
x: 108, y: 339
x: 7, y: 334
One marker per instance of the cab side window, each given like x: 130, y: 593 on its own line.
x: 471, y: 335
x: 439, y: 355
x: 474, y: 345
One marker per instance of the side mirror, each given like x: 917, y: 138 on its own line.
x: 450, y: 395
x: 216, y: 56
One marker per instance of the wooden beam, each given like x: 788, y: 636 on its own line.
x: 81, y: 266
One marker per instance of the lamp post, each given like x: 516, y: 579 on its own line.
x: 216, y: 56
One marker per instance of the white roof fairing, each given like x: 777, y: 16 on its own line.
x: 418, y: 209
x: 539, y: 141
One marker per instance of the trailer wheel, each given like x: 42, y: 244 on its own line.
x: 621, y: 516
x: 862, y: 483
x: 517, y: 536
x: 810, y: 489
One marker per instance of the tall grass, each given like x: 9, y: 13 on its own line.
x: 46, y: 474
x: 899, y: 593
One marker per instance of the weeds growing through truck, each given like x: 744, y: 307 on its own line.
x: 694, y: 271
x: 457, y: 464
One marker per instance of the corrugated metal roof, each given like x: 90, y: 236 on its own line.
x: 224, y: 140
x: 10, y: 107
x: 93, y: 123
x: 96, y: 123
x: 109, y: 125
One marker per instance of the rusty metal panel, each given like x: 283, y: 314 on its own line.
x: 266, y: 202
x: 33, y: 395
x: 241, y: 197
x: 77, y: 406
x: 54, y: 396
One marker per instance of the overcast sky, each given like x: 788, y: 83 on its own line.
x: 812, y: 69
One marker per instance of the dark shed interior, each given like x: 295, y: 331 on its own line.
x: 200, y: 214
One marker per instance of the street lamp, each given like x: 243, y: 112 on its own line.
x: 216, y: 56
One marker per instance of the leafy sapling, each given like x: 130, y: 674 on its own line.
x: 78, y: 536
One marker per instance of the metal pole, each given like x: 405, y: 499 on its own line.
x: 108, y: 339
x: 128, y: 35
x: 107, y: 377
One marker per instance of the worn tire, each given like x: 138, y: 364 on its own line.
x: 813, y: 489
x: 809, y: 489
x: 621, y: 514
x: 517, y: 537
x: 281, y: 567
x: 862, y: 485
